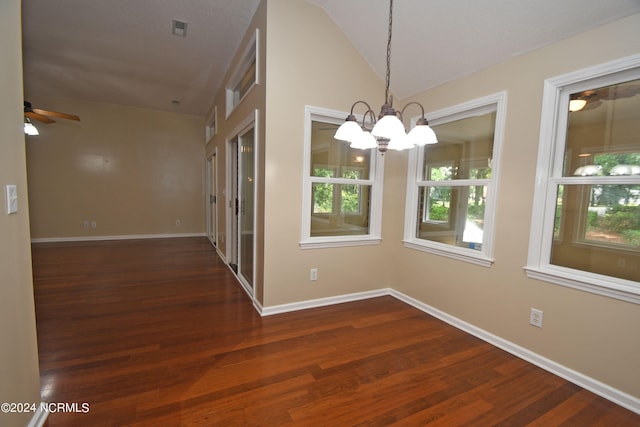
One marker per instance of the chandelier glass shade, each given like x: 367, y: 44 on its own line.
x: 387, y: 131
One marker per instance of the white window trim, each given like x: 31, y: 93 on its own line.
x: 484, y: 257
x: 375, y: 180
x: 551, y: 147
x: 250, y: 54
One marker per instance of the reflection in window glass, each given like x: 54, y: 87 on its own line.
x: 350, y: 199
x: 244, y: 77
x: 464, y: 149
x: 322, y: 198
x: 436, y: 202
x: 454, y: 214
x: 593, y: 229
x: 332, y: 158
x: 339, y: 207
x: 439, y: 172
x: 247, y: 81
x: 597, y: 226
x: 602, y: 137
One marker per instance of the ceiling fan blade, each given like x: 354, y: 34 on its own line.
x: 592, y: 104
x: 39, y: 117
x: 56, y: 114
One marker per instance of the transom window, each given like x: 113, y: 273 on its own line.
x: 244, y: 77
x: 451, y: 189
x: 589, y: 206
x: 342, y: 186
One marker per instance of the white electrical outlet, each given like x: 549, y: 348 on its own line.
x: 535, y: 318
x: 178, y: 223
x: 94, y: 224
x: 313, y: 274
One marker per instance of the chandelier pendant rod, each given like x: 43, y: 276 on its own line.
x: 388, y: 76
x: 388, y: 130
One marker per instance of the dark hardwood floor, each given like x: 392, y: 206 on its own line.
x: 158, y: 333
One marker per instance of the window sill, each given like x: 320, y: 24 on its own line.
x: 233, y: 106
x: 337, y: 243
x: 625, y: 290
x: 456, y: 253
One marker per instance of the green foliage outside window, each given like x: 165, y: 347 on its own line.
x: 322, y: 192
x: 622, y: 216
x: 619, y: 220
x: 349, y: 193
x: 438, y: 212
x: 614, y: 194
x: 350, y: 200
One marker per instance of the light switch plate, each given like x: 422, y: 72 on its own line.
x: 12, y: 199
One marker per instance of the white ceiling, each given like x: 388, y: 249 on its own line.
x: 123, y: 52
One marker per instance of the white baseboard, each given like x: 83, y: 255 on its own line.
x: 39, y: 417
x: 320, y: 302
x: 119, y: 237
x: 616, y: 396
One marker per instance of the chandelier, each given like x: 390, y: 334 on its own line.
x: 388, y: 132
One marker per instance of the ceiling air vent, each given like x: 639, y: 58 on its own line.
x: 179, y: 28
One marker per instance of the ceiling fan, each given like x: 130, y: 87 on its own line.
x: 42, y: 115
x: 593, y: 98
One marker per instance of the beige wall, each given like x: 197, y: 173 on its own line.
x: 131, y: 171
x: 227, y: 128
x: 298, y: 38
x: 592, y: 334
x: 20, y: 379
x: 310, y: 62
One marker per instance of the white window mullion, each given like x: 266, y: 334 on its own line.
x: 455, y: 183
x: 342, y: 181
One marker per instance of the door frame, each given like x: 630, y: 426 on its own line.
x: 232, y: 229
x: 212, y: 192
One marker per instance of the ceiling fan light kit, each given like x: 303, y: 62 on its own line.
x: 577, y: 104
x: 388, y: 132
x: 31, y: 113
x: 29, y: 128
x: 593, y: 98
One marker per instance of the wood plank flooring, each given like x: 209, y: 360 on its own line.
x: 159, y: 333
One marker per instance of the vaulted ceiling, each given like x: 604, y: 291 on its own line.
x: 123, y: 51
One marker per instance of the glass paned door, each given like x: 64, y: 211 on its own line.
x: 246, y: 226
x: 212, y: 209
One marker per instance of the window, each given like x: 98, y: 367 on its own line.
x: 586, y: 223
x: 245, y: 77
x: 452, y: 184
x: 342, y: 186
x: 211, y: 128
